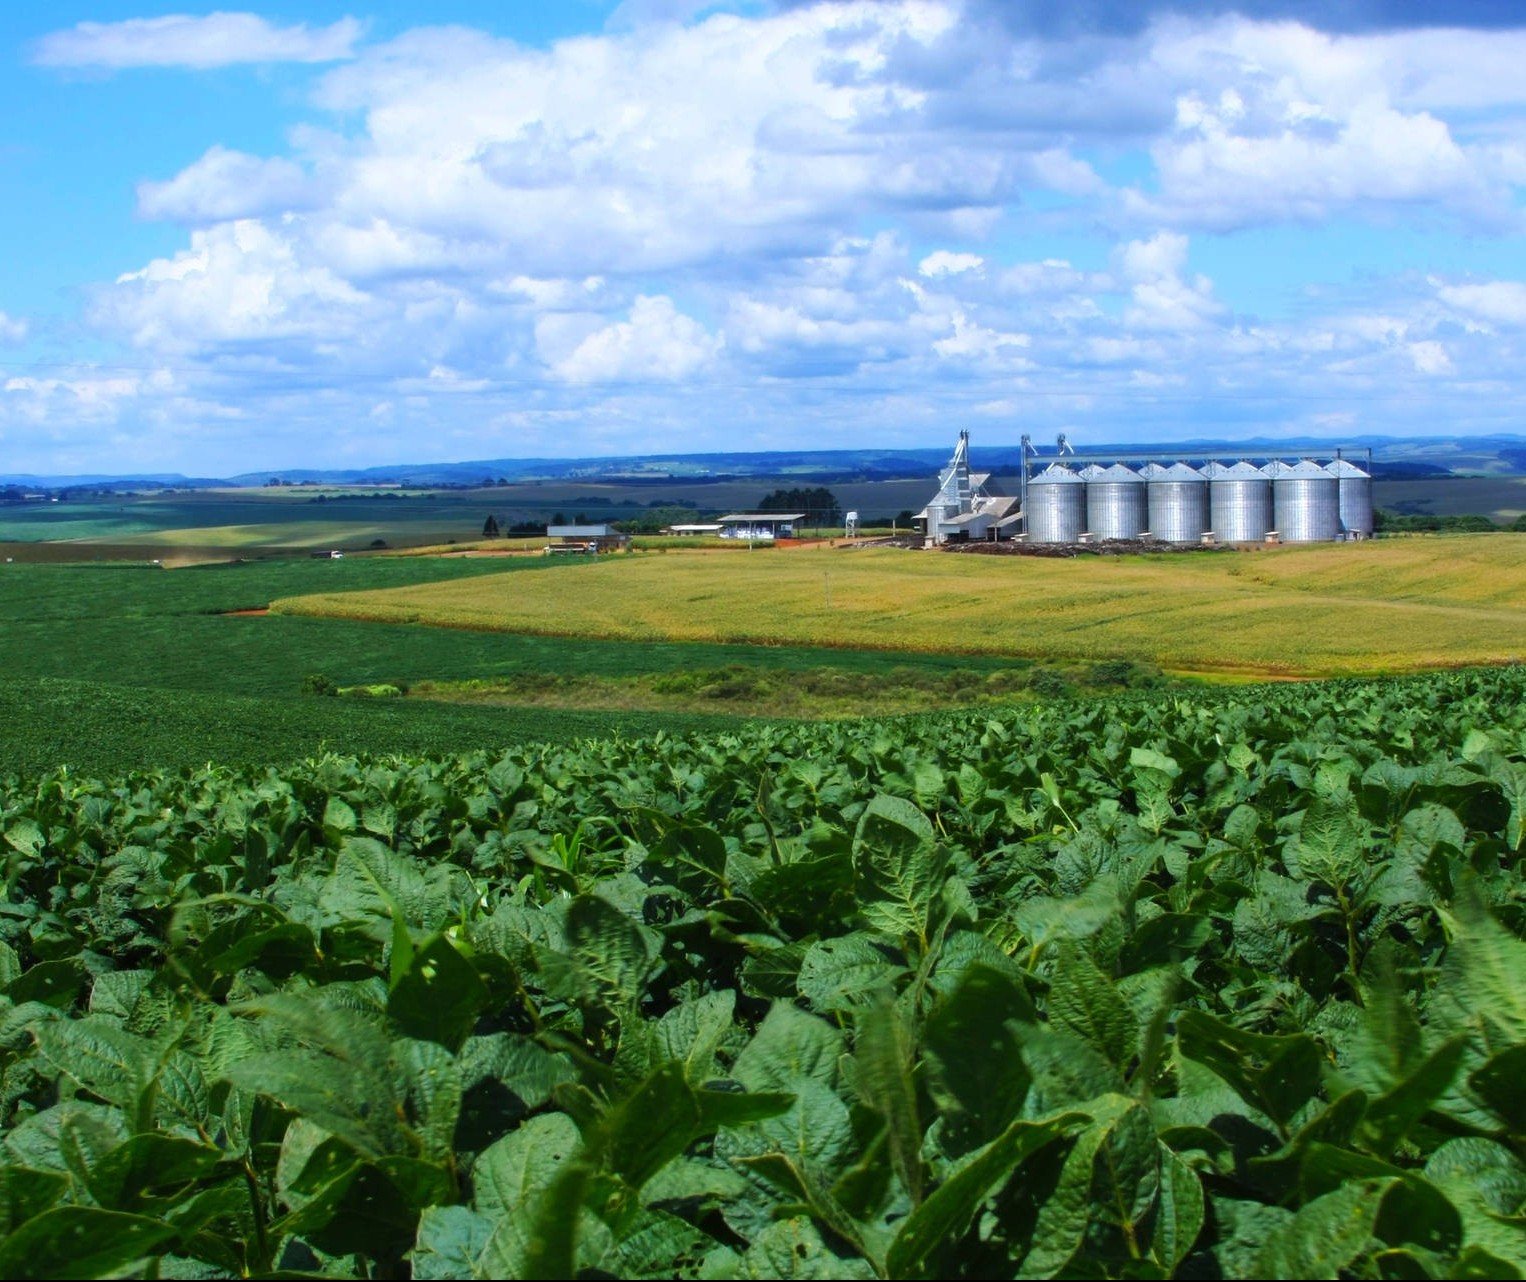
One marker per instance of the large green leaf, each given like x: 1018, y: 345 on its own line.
x: 1275, y: 1075
x: 102, y: 1057
x: 80, y: 1242
x: 882, y: 1056
x: 1179, y: 1214
x: 449, y: 1243
x: 1486, y: 1182
x: 523, y: 1164
x: 898, y: 868
x: 608, y: 957
x: 439, y: 996
x: 1109, y: 1182
x: 1327, y: 1237
x: 848, y: 971
x: 790, y: 1047
x: 1329, y: 846
x: 1484, y: 976
x: 1085, y: 1002
x: 945, y: 1216
x: 977, y: 1075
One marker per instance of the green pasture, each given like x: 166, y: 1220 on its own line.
x: 101, y: 727
x: 242, y: 519
x: 107, y: 667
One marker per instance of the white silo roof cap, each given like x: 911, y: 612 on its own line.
x: 1054, y: 474
x: 1117, y: 472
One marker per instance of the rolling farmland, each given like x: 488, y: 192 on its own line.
x: 1385, y: 606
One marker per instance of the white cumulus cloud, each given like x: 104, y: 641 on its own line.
x: 1502, y: 301
x: 943, y: 262
x: 804, y: 222
x: 237, y: 282
x: 226, y: 184
x: 199, y: 42
x: 656, y: 342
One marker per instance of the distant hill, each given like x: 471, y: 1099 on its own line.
x: 1393, y: 457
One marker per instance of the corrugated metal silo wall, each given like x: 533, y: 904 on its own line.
x: 1240, y: 508
x: 1307, y: 508
x: 1356, y: 504
x: 1058, y: 511
x: 1178, y: 510
x: 1115, y: 509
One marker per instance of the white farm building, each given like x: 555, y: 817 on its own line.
x: 963, y: 509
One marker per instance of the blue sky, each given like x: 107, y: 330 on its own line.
x: 351, y: 234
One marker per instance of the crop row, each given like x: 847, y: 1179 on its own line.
x: 1219, y: 986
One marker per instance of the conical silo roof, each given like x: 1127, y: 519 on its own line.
x: 1115, y: 473
x: 1241, y: 471
x: 1345, y: 468
x: 1054, y: 474
x: 1177, y: 472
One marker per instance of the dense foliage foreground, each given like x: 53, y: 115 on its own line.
x: 1223, y: 986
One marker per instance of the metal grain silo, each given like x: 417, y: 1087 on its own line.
x: 1306, y: 502
x: 1355, y: 488
x: 1115, y: 503
x: 1056, y: 506
x: 1178, y: 502
x: 1239, y: 502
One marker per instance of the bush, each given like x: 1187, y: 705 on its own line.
x: 317, y: 683
x: 1048, y: 684
x: 380, y: 691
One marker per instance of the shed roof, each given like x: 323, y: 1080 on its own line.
x: 762, y: 518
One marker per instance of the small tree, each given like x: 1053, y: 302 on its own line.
x: 490, y: 527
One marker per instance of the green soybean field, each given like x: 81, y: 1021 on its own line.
x: 1228, y: 984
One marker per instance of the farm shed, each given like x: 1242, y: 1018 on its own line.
x: 760, y: 525
x: 701, y: 527
x: 587, y: 538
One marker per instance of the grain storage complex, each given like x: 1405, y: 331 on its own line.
x: 1180, y: 498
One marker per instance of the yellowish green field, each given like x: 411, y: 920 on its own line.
x: 1338, y: 609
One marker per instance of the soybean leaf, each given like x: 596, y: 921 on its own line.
x: 1326, y: 1237
x: 80, y: 1241
x: 438, y: 996
x: 946, y: 1214
x: 977, y: 1075
x: 1083, y: 1001
x: 883, y: 1074
x: 449, y: 1243
x: 1110, y: 1176
x: 1275, y: 1075
x: 790, y: 1047
x: 1179, y: 1214
x: 898, y: 868
x: 848, y: 971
